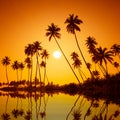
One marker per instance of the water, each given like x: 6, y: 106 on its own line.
x: 43, y: 106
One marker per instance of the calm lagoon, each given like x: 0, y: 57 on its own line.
x: 58, y: 106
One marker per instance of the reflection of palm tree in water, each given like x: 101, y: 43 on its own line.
x: 41, y: 108
x: 6, y: 116
x: 43, y: 112
x: 72, y: 107
x: 17, y: 112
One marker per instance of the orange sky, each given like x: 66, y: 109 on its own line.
x: 25, y: 21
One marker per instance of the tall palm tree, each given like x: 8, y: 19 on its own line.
x: 37, y: 48
x: 91, y: 44
x: 29, y: 51
x: 73, y: 23
x: 103, y: 55
x: 29, y: 65
x: 53, y: 31
x: 6, y: 61
x: 116, y: 49
x: 15, y: 66
x: 21, y: 67
x: 44, y: 55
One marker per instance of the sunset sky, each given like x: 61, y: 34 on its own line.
x: 25, y: 21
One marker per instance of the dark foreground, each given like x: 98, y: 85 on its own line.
x: 108, y: 88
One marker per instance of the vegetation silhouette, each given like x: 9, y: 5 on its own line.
x: 6, y: 61
x: 72, y: 26
x: 105, y: 87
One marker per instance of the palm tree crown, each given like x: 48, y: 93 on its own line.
x: 90, y: 43
x: 103, y: 55
x: 53, y: 31
x: 6, y: 60
x: 37, y: 46
x: 72, y: 23
x: 74, y: 56
x: 29, y: 50
x: 116, y: 49
x: 44, y: 54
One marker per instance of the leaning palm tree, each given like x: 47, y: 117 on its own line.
x: 72, y: 26
x: 6, y: 62
x: 29, y: 51
x: 53, y: 31
x: 103, y: 55
x: 44, y: 55
x: 116, y: 49
x: 15, y: 66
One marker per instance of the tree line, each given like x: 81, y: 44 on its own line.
x: 100, y: 56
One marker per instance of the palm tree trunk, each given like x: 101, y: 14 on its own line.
x: 31, y: 73
x: 7, y: 76
x: 44, y: 72
x: 72, y: 107
x: 17, y: 75
x: 82, y: 55
x: 67, y: 61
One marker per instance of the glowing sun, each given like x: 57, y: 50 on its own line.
x: 57, y: 54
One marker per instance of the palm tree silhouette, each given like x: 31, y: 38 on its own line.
x: 72, y: 26
x: 15, y: 66
x: 91, y: 44
x: 77, y: 63
x: 5, y: 116
x: 29, y: 65
x: 44, y: 55
x: 29, y: 51
x: 37, y: 48
x: 21, y: 67
x: 53, y: 31
x: 6, y: 61
x: 116, y: 65
x: 28, y: 115
x: 103, y: 55
x: 116, y: 49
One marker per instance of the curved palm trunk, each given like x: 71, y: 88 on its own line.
x: 7, y: 76
x: 72, y: 107
x: 67, y: 61
x: 82, y: 55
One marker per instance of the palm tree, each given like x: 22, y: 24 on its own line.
x: 91, y: 44
x: 53, y: 31
x: 5, y: 116
x: 103, y: 55
x: 44, y: 55
x: 6, y: 61
x: 72, y: 26
x: 21, y: 67
x: 15, y: 66
x: 77, y: 64
x: 37, y: 48
x: 29, y: 65
x: 116, y: 49
x: 116, y: 65
x: 29, y: 51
